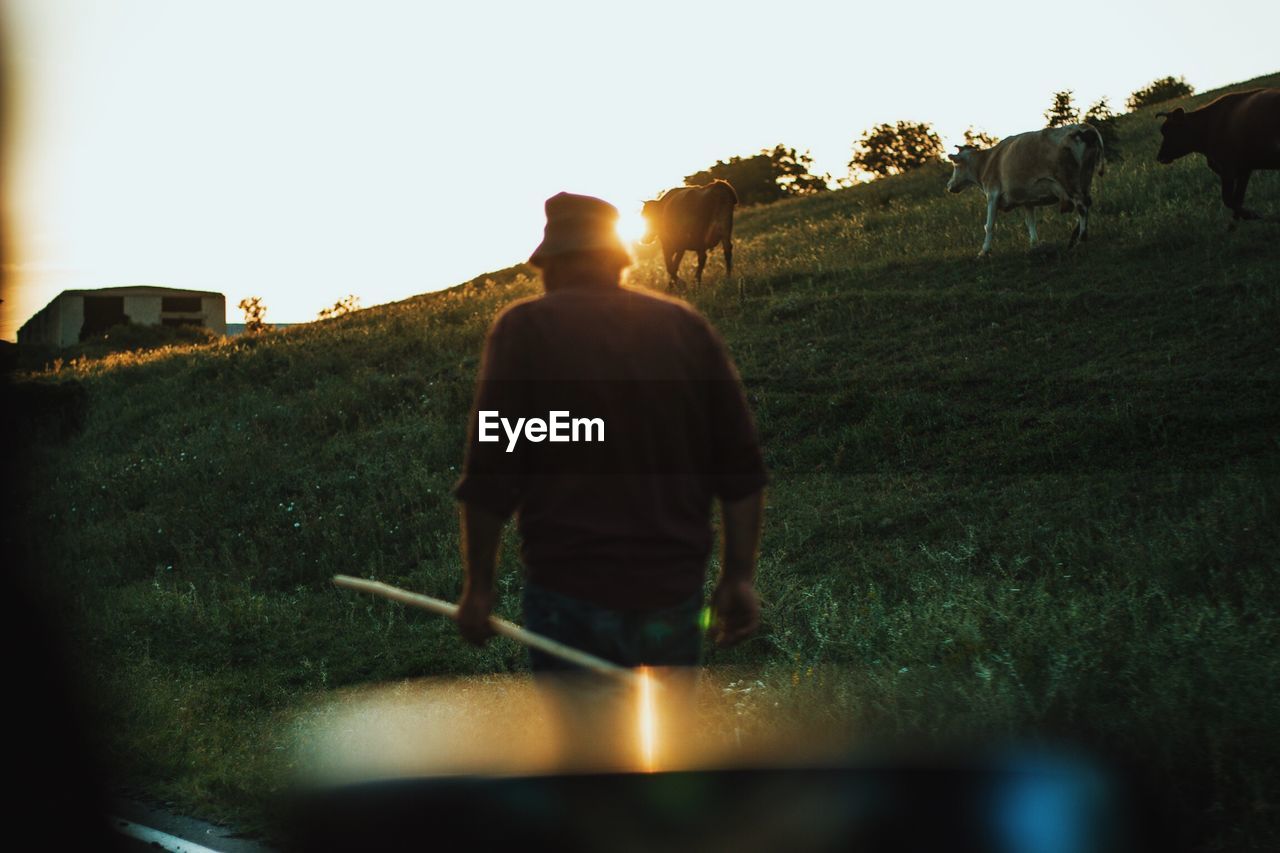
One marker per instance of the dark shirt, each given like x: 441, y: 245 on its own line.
x: 623, y: 523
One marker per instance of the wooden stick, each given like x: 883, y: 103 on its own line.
x: 500, y: 626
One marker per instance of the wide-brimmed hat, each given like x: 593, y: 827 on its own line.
x: 579, y: 223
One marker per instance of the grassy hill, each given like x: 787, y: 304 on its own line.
x: 1032, y: 495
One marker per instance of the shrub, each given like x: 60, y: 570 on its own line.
x: 1159, y: 91
x: 126, y: 337
x: 343, y: 306
x: 890, y: 149
x: 975, y: 138
x: 1063, y: 110
x: 255, y: 315
x: 1101, y: 117
x: 765, y: 177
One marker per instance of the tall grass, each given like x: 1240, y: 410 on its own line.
x: 1033, y: 495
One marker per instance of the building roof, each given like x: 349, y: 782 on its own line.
x: 136, y: 289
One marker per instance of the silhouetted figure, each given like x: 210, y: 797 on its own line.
x: 615, y: 527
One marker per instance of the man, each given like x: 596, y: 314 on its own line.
x: 615, y: 526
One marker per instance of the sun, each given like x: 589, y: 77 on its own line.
x: 630, y: 227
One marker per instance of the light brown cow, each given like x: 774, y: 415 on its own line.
x: 692, y: 218
x: 1042, y: 167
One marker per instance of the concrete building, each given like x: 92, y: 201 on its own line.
x: 78, y: 314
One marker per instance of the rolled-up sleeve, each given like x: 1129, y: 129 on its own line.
x: 492, y: 478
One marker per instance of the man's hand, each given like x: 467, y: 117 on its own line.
x: 734, y: 606
x: 472, y: 618
x: 735, y: 610
x: 480, y: 532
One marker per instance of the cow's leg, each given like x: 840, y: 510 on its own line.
x: 702, y: 263
x: 993, y: 199
x: 673, y: 267
x: 1081, y: 231
x: 728, y: 257
x: 1242, y: 183
x: 672, y: 260
x: 1233, y: 186
x: 1229, y: 190
x: 1029, y: 216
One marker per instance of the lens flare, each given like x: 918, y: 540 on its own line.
x: 631, y: 226
x: 648, y: 720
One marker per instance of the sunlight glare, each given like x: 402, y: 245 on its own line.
x: 630, y: 227
x: 648, y: 719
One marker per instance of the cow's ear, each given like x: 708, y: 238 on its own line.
x: 954, y: 158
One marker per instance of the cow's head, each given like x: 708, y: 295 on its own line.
x: 1177, y: 137
x: 650, y: 213
x: 962, y: 174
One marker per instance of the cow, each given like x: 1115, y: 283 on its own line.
x: 1041, y: 167
x: 1237, y: 133
x: 692, y: 218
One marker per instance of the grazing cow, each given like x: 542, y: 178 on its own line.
x: 1030, y: 170
x: 1237, y: 133
x: 696, y: 218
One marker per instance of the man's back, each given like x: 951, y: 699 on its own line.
x: 622, y: 522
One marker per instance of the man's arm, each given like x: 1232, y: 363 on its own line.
x: 738, y: 478
x: 734, y: 603
x: 490, y: 488
x: 481, y: 534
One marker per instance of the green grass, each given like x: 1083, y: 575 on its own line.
x: 1033, y: 495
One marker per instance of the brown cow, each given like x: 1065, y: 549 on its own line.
x: 1237, y: 133
x: 692, y: 218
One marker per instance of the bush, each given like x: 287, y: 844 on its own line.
x: 343, y: 306
x: 891, y: 149
x: 974, y: 138
x: 1101, y: 117
x: 255, y: 315
x: 1063, y: 110
x: 134, y: 336
x: 1159, y: 91
x: 765, y: 177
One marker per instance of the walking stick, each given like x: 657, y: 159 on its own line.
x: 500, y: 626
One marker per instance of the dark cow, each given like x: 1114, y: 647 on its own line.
x: 1237, y: 133
x: 692, y: 218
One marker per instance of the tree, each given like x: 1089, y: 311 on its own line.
x: 345, y: 305
x: 753, y: 178
x: 795, y: 172
x: 1158, y: 91
x: 255, y: 314
x: 1063, y: 110
x: 979, y: 139
x: 765, y: 177
x: 1101, y: 117
x: 890, y: 149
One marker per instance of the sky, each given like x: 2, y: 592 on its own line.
x: 304, y: 150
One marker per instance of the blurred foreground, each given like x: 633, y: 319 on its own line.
x: 589, y: 765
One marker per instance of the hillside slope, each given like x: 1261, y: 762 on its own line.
x: 1033, y: 494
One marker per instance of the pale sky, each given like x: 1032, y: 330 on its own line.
x: 301, y: 150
